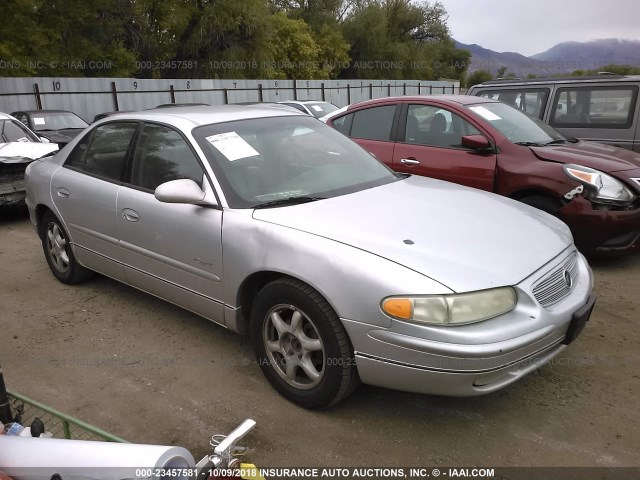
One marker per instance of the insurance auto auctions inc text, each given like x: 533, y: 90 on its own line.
x: 368, y: 473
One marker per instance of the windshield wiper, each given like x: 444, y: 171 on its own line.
x: 529, y: 144
x: 281, y: 202
x: 559, y: 141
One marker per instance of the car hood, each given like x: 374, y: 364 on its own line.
x: 605, y: 158
x: 17, y: 152
x: 60, y: 136
x: 464, y: 238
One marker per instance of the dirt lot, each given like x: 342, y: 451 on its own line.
x: 153, y: 373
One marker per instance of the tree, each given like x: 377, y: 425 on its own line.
x: 479, y: 76
x: 400, y: 39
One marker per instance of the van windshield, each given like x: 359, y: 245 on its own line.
x: 517, y: 126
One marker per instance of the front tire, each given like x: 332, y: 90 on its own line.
x: 301, y: 345
x: 58, y: 252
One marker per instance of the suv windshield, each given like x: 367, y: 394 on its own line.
x: 265, y: 160
x: 517, y: 126
x: 57, y: 121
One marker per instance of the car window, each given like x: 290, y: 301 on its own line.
x: 515, y: 125
x: 373, y: 123
x: 104, y: 151
x: 12, y: 131
x: 436, y: 127
x: 43, y: 121
x: 594, y: 107
x: 297, y: 107
x: 343, y: 124
x: 163, y: 155
x: 530, y: 101
x: 277, y: 158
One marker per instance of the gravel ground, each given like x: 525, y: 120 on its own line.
x: 150, y: 372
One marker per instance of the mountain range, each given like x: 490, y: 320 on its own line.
x: 562, y: 58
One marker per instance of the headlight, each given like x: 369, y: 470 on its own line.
x: 455, y: 309
x: 600, y: 187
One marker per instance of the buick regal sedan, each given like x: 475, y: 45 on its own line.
x: 492, y: 146
x: 272, y: 224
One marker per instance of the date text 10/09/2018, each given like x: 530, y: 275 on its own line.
x: 358, y: 472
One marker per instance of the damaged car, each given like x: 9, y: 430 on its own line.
x: 18, y: 147
x: 492, y: 146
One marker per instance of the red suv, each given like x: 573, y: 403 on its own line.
x: 490, y: 145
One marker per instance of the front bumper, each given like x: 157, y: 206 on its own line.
x: 602, y: 232
x: 473, y: 359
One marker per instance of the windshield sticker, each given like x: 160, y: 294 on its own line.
x: 483, y: 112
x: 232, y: 146
x: 316, y: 108
x: 38, y: 121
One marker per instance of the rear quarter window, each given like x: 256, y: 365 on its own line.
x: 594, y: 107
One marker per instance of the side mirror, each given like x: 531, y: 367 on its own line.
x: 44, y: 140
x: 180, y: 191
x: 475, y: 142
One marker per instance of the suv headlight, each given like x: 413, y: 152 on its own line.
x: 455, y: 309
x: 600, y: 187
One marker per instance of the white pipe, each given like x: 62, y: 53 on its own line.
x: 25, y: 458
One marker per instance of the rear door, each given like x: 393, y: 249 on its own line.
x: 604, y: 113
x: 429, y: 144
x: 85, y: 190
x: 373, y: 128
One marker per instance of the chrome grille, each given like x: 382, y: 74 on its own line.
x: 552, y: 287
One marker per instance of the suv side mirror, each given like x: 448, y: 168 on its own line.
x: 475, y: 142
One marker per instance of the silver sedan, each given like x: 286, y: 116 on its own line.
x: 274, y: 225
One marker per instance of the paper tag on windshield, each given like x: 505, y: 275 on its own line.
x: 232, y: 146
x: 316, y: 108
x: 38, y: 121
x: 483, y: 112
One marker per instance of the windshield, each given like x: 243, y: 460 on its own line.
x: 56, y: 121
x: 515, y: 125
x: 321, y: 109
x: 279, y: 158
x: 13, y: 131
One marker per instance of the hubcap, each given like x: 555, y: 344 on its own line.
x: 293, y: 345
x: 57, y: 248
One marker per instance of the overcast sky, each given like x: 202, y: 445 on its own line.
x: 533, y: 26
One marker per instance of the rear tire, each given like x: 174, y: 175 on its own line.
x: 301, y: 345
x: 58, y: 252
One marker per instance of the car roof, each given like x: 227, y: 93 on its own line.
x: 304, y: 102
x: 445, y: 99
x: 43, y: 111
x: 603, y: 77
x: 205, y: 115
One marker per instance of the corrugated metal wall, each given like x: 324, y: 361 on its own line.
x: 90, y: 96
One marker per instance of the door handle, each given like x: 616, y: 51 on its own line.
x: 63, y: 192
x: 130, y: 215
x: 410, y: 161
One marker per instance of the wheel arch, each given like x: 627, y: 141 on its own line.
x: 250, y: 287
x: 519, y: 195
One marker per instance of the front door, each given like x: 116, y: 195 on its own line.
x: 173, y: 251
x: 431, y: 147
